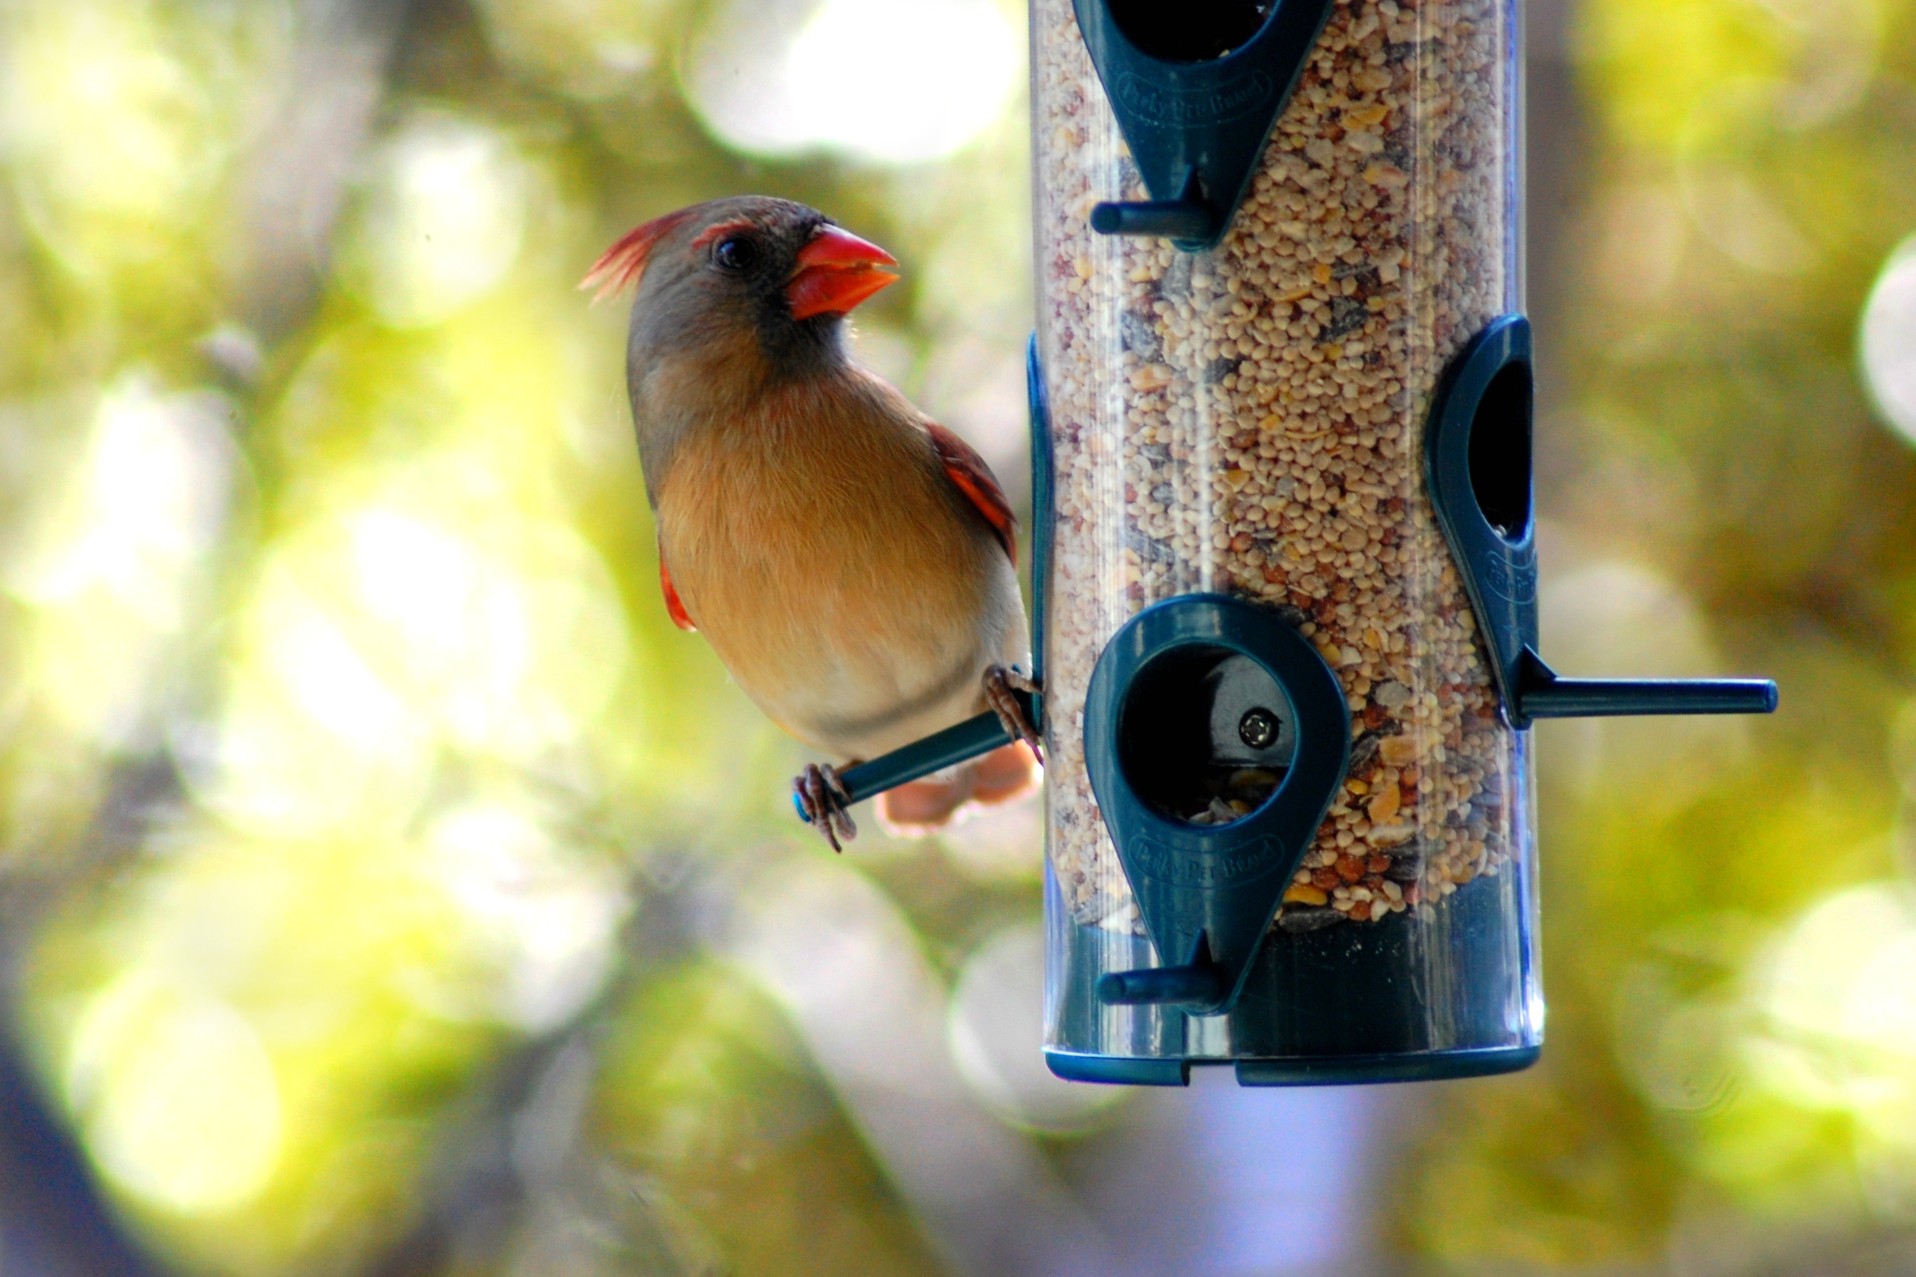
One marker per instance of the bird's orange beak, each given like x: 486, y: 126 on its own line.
x: 836, y: 271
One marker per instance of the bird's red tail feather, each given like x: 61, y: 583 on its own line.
x: 921, y: 806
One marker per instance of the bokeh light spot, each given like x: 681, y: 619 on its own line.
x: 1888, y: 341
x: 890, y: 83
x: 111, y: 551
x: 1837, y: 1011
x: 546, y: 918
x: 147, y: 500
x: 176, y: 1095
x: 110, y: 130
x: 443, y: 221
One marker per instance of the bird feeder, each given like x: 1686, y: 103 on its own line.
x: 1286, y: 577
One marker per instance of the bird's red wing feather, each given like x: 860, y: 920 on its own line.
x: 674, y: 607
x: 965, y: 468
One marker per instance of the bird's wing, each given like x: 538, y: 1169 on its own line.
x: 674, y: 606
x: 968, y: 471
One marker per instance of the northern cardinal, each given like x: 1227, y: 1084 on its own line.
x: 851, y: 561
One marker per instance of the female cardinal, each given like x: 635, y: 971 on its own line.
x: 850, y: 560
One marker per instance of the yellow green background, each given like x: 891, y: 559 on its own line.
x: 387, y: 887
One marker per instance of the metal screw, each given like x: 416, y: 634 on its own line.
x: 1258, y: 728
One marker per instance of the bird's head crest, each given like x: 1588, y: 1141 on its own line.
x: 623, y: 265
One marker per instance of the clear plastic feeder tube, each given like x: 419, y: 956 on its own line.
x: 1250, y: 421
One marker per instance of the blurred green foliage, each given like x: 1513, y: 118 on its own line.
x: 346, y: 733
x: 1748, y: 176
x: 364, y: 821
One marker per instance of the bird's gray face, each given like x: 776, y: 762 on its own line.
x: 775, y: 274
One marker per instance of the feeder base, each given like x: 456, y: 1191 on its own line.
x: 1449, y: 992
x: 1350, y: 1070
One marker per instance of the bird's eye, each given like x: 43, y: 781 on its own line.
x: 735, y: 253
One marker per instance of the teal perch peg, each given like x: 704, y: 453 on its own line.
x: 956, y: 744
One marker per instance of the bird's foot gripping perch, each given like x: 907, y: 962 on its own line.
x: 1001, y: 681
x: 980, y: 759
x: 822, y: 799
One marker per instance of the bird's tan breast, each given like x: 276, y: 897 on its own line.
x: 818, y: 547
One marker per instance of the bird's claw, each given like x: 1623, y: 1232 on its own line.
x: 822, y: 796
x: 1000, y: 682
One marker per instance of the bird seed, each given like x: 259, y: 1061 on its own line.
x: 1250, y: 421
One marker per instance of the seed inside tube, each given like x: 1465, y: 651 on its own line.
x: 1250, y: 421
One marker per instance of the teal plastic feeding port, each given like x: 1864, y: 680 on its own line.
x: 1285, y: 567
